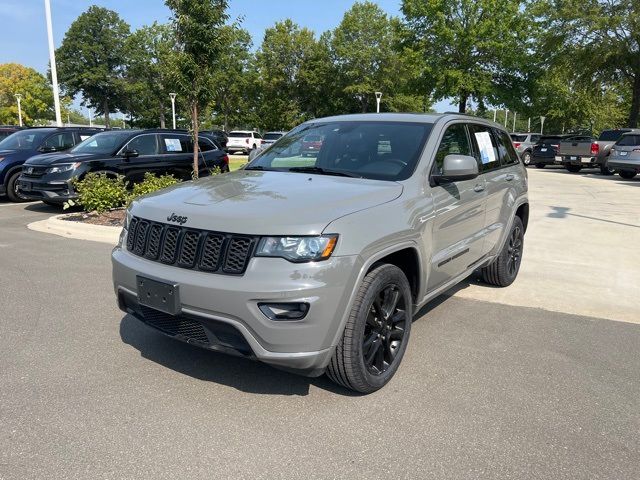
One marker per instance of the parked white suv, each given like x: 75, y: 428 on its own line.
x: 243, y: 141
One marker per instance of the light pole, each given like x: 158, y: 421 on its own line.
x: 495, y: 112
x: 173, y: 108
x: 514, y: 121
x: 19, y: 98
x: 52, y: 60
x: 529, y: 125
x: 542, y: 119
x: 378, y: 98
x: 506, y: 116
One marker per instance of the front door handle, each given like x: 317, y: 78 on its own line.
x: 509, y: 177
x: 478, y: 188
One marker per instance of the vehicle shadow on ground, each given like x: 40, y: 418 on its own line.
x: 239, y: 373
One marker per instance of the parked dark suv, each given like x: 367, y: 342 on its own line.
x: 544, y: 152
x: 24, y: 144
x: 131, y: 153
x: 219, y: 137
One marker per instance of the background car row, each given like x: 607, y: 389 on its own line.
x: 614, y: 151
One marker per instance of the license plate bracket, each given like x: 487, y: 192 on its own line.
x: 161, y: 296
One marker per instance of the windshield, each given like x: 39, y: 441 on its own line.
x: 239, y: 134
x: 518, y: 138
x: 629, y: 140
x: 24, y: 140
x: 272, y: 136
x: 376, y: 150
x: 104, y: 143
x: 609, y: 135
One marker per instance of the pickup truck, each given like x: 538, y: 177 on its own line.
x: 578, y: 152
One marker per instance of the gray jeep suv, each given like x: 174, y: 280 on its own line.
x: 317, y: 264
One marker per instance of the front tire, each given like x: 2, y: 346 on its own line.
x: 504, y: 269
x: 626, y: 174
x: 12, y: 189
x: 377, y: 332
x: 526, y: 158
x: 574, y: 168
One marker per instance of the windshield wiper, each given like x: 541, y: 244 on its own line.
x: 259, y: 167
x: 324, y: 171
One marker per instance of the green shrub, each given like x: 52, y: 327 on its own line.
x: 99, y: 193
x: 151, y: 183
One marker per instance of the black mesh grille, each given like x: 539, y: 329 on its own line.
x: 237, y: 255
x: 182, y: 326
x: 189, y: 248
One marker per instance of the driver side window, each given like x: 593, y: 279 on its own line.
x: 454, y: 141
x: 144, y: 145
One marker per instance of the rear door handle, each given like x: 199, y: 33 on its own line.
x: 509, y: 177
x: 478, y: 188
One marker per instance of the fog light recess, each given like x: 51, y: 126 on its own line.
x: 284, y: 311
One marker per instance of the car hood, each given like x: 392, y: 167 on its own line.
x: 60, y: 157
x: 265, y: 203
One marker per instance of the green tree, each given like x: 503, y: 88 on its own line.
x: 149, y: 51
x: 470, y: 49
x: 283, y: 62
x: 92, y: 58
x: 200, y: 39
x: 602, y: 36
x: 37, y: 99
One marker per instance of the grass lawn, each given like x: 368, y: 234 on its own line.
x: 236, y: 161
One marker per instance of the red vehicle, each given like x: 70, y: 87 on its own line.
x: 311, y: 144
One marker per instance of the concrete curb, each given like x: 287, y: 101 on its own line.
x: 78, y: 230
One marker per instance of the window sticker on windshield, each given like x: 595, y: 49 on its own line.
x: 487, y: 155
x: 84, y: 137
x: 173, y: 144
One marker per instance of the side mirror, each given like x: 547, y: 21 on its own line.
x: 456, y: 168
x: 130, y: 153
x: 47, y: 149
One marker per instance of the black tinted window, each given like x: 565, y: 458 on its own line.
x: 518, y: 138
x: 454, y: 141
x: 205, y: 145
x: 176, y: 143
x: 609, y: 135
x: 534, y: 138
x: 629, y: 141
x: 508, y: 155
x: 144, y: 145
x: 485, y: 147
x: 59, y: 141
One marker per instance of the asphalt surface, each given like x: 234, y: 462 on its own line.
x: 485, y: 391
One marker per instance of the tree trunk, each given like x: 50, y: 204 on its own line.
x: 635, y: 102
x: 162, y: 117
x: 105, y: 107
x: 462, y: 106
x: 194, y: 123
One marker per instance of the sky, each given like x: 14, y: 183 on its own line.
x: 23, y: 34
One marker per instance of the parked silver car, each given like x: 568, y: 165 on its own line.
x: 317, y: 264
x: 625, y: 156
x: 523, y: 143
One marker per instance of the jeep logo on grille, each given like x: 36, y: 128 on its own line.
x: 177, y: 219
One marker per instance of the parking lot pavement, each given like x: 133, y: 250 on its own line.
x: 485, y: 391
x: 581, y: 248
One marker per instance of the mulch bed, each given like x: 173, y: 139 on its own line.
x: 113, y: 218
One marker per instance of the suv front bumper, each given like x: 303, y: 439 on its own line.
x: 53, y: 191
x: 214, y: 302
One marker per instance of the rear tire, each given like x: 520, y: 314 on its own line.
x: 377, y: 332
x: 627, y: 174
x: 504, y: 269
x: 526, y: 158
x: 540, y: 165
x: 573, y: 168
x: 12, y: 189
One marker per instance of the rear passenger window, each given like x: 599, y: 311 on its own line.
x: 205, y: 145
x: 485, y: 147
x: 454, y: 141
x: 507, y: 153
x: 60, y: 141
x: 177, y: 143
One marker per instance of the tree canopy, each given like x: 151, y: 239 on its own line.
x: 37, y: 99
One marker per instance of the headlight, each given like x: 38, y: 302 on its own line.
x: 127, y: 219
x: 297, y: 249
x: 65, y: 167
x: 125, y: 229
